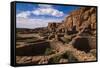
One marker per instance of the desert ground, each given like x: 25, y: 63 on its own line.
x: 72, y: 40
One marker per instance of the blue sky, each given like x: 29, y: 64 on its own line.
x: 30, y: 15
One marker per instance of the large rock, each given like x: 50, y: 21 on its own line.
x: 83, y: 18
x: 52, y: 26
x: 84, y: 43
x: 80, y: 17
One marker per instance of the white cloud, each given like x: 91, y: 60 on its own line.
x: 42, y: 10
x: 44, y: 5
x: 23, y: 20
x: 34, y: 23
x: 24, y: 14
x: 47, y: 10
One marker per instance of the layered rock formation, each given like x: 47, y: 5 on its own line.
x: 55, y: 27
x: 72, y: 40
x: 82, y: 19
x: 80, y: 22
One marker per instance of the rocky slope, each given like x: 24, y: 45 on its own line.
x: 72, y: 40
x: 80, y: 22
x: 83, y: 18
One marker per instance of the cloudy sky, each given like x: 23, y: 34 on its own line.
x: 30, y: 15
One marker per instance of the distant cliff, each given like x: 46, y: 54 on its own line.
x: 80, y: 20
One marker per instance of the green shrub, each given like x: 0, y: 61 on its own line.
x: 65, y: 40
x: 93, y: 52
x: 48, y: 51
x: 68, y: 55
x: 55, y: 59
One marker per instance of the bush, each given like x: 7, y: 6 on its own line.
x: 93, y: 52
x: 49, y: 51
x: 55, y: 59
x: 69, y: 56
x: 65, y: 40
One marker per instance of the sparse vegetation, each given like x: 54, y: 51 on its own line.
x: 49, y: 51
x: 68, y: 55
x: 55, y: 59
x: 65, y: 40
x: 93, y: 52
x: 49, y: 44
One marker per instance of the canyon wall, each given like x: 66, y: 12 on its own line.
x: 81, y: 20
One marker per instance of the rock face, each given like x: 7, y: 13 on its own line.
x: 53, y: 26
x: 84, y: 43
x: 72, y: 40
x: 84, y: 18
x: 81, y: 22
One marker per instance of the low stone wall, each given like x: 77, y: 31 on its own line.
x: 33, y: 49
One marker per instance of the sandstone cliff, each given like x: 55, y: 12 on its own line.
x: 72, y: 40
x: 80, y: 20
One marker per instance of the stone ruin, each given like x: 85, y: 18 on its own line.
x: 72, y: 40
